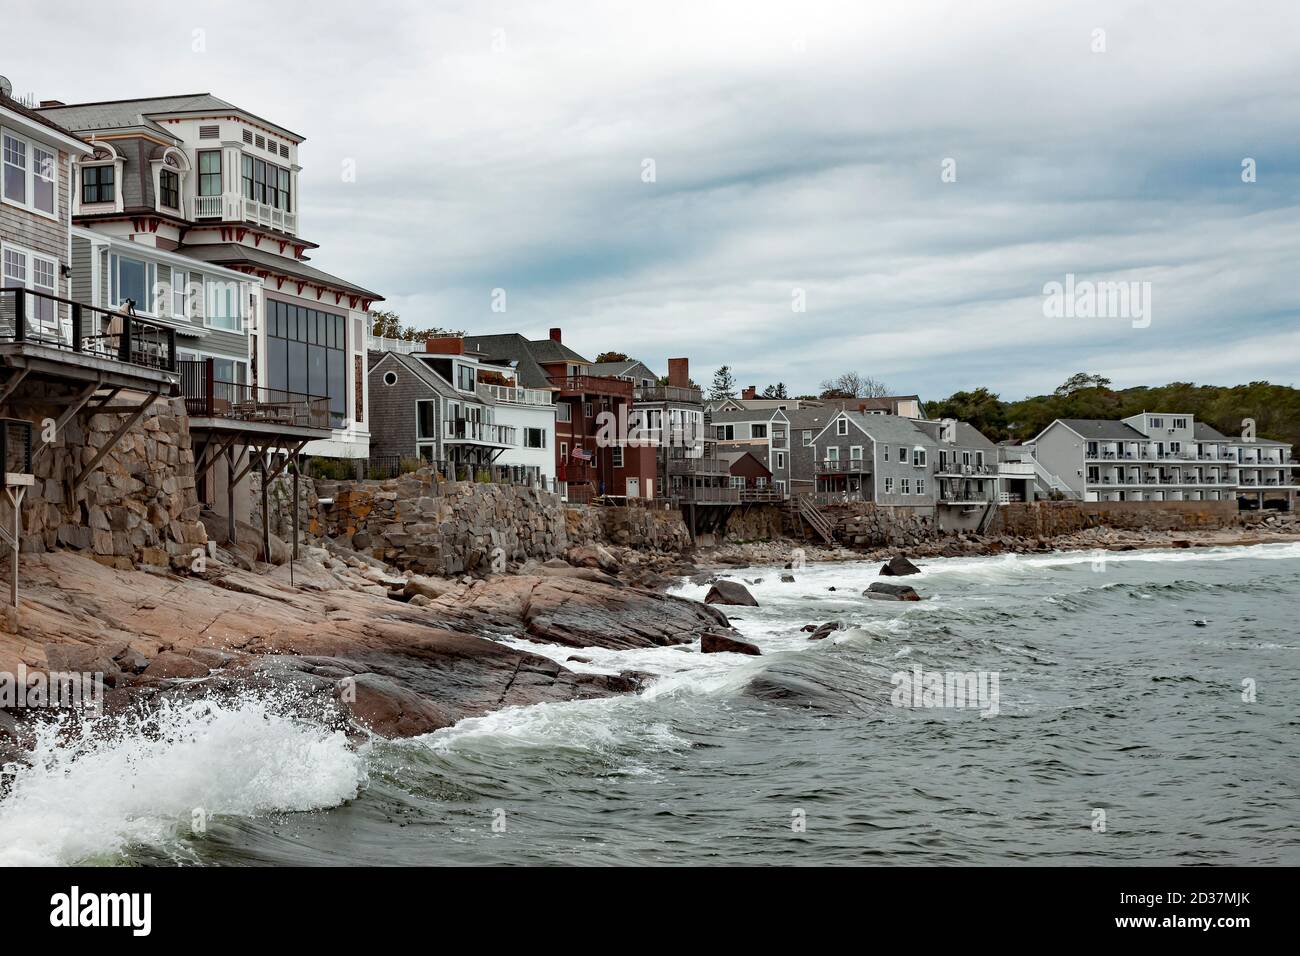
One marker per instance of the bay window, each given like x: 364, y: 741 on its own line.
x: 265, y: 183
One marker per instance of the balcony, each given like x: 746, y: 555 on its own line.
x: 954, y: 470
x: 482, y: 433
x: 38, y: 318
x: 669, y: 393
x: 207, y: 207
x: 261, y: 214
x: 510, y: 395
x: 708, y: 495
x: 854, y: 466
x: 697, y: 466
x: 206, y: 397
x: 579, y: 386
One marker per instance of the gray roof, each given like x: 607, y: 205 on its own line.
x: 1203, y: 432
x: 1102, y: 429
x: 36, y: 116
x: 802, y: 419
x: 130, y: 114
x: 888, y: 429
x: 733, y: 453
x: 232, y: 253
x: 968, y: 436
x: 530, y: 354
x: 744, y: 415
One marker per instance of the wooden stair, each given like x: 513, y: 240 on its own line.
x: 812, y: 515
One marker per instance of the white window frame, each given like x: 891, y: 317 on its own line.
x: 807, y: 437
x: 920, y: 486
x: 918, y: 457
x: 889, y: 484
x: 563, y: 412
x: 738, y: 481
x: 780, y: 461
x: 904, y: 486
x: 855, y: 453
x: 832, y: 452
x: 30, y: 258
x: 616, y: 456
x: 212, y: 321
x: 30, y: 175
x: 758, y: 430
x: 886, y: 450
x: 841, y: 426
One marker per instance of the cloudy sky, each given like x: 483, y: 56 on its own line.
x: 797, y: 151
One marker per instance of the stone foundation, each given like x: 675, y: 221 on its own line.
x: 1048, y: 518
x: 138, y: 506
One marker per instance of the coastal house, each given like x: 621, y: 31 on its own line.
x: 1162, y: 456
x: 593, y: 415
x: 879, y: 458
x: 904, y: 406
x: 965, y: 471
x: 178, y: 195
x: 748, y: 472
x: 450, y: 406
x: 769, y: 427
x: 749, y: 399
x: 805, y: 424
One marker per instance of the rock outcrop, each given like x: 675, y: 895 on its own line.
x: 730, y: 592
x: 712, y: 642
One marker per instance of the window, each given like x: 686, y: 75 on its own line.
x: 1180, y: 423
x: 889, y: 485
x: 617, y: 456
x: 15, y: 169
x: 30, y: 174
x: 842, y: 426
x: 564, y: 412
x: 210, y: 172
x: 943, y: 459
x: 757, y: 431
x: 425, y: 427
x: 737, y: 481
x: 564, y: 451
x: 586, y: 409
x: 390, y: 378
x: 265, y: 182
x: 855, y: 453
x: 1157, y: 423
x: 918, y: 458
x: 169, y: 189
x: 222, y: 298
x: 726, y: 432
x: 902, y: 455
x: 807, y: 438
x: 780, y: 461
x: 965, y: 458
x: 307, y: 353
x: 778, y: 437
x: 534, y: 437
x: 979, y: 458
x: 132, y: 280
x: 180, y: 294
x: 920, y: 486
x: 97, y: 184
x: 904, y: 486
x: 833, y: 453
x: 465, y: 378
x: 29, y: 270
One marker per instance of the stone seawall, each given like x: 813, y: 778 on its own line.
x: 1047, y: 518
x: 450, y: 528
x: 138, y: 506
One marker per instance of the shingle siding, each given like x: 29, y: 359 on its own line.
x: 393, y: 410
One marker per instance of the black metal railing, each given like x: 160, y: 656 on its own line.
x: 15, y: 446
x: 208, y: 397
x: 44, y: 319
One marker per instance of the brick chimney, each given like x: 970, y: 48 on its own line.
x: 750, y: 391
x: 679, y: 372
x: 444, y: 345
x: 555, y: 335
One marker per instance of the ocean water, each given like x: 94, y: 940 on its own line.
x: 1124, y: 732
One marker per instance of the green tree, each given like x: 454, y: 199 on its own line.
x: 775, y: 391
x: 389, y: 325
x: 611, y: 357
x: 724, y: 384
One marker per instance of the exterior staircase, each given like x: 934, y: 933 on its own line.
x: 802, y: 507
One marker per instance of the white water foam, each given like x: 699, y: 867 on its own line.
x: 115, y: 784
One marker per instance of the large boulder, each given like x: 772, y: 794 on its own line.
x: 711, y: 642
x: 730, y: 592
x: 824, y: 631
x: 386, y: 709
x: 898, y: 566
x: 880, y: 591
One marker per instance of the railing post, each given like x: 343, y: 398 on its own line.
x: 171, y: 350
x: 20, y: 315
x: 76, y: 327
x: 124, y: 346
x: 209, y: 383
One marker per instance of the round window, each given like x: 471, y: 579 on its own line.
x: 390, y: 378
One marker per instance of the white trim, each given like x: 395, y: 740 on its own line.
x: 29, y: 173
x: 40, y: 131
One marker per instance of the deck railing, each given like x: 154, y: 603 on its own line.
x: 208, y: 397
x: 464, y: 429
x: 570, y: 385
x: 44, y: 319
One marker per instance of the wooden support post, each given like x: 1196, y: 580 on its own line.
x: 14, y: 537
x: 230, y: 495
x: 295, y: 509
x: 266, y: 517
x: 112, y: 442
x: 77, y: 405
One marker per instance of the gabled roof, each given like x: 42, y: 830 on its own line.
x: 732, y: 416
x: 887, y: 429
x: 734, y: 453
x: 1203, y: 432
x: 968, y: 436
x: 802, y: 419
x: 414, y: 365
x: 530, y: 355
x: 35, y: 116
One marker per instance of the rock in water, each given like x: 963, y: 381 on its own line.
x: 880, y: 591
x: 730, y: 592
x: 714, y: 643
x: 825, y: 631
x: 898, y: 566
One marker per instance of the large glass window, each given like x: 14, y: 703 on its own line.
x: 307, y: 353
x: 424, y: 424
x: 44, y: 174
x: 265, y: 182
x: 210, y: 172
x: 222, y: 298
x: 132, y: 279
x: 97, y: 184
x: 28, y: 270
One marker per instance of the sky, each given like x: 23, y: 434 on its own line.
x: 793, y: 189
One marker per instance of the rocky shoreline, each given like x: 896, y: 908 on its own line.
x: 396, y: 653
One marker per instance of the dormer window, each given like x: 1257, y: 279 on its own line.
x: 98, y: 184
x: 169, y: 189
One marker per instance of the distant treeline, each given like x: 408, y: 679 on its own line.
x: 1275, y: 408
